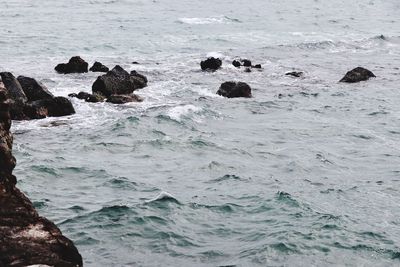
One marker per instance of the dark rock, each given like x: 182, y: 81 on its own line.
x: 98, y: 67
x: 25, y: 237
x: 73, y: 95
x: 246, y: 62
x: 247, y: 70
x: 122, y: 99
x: 95, y: 98
x: 34, y: 90
x: 13, y: 87
x: 118, y: 81
x: 55, y: 107
x: 75, y: 65
x: 211, y: 63
x: 296, y: 74
x: 134, y: 73
x: 357, y: 75
x: 257, y: 66
x: 83, y: 95
x: 234, y: 89
x: 236, y: 63
x: 135, y: 63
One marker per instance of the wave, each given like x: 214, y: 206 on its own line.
x: 207, y: 20
x: 163, y: 197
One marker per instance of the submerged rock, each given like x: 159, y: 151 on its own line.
x: 25, y: 237
x: 296, y: 74
x: 357, y: 75
x: 211, y: 63
x: 74, y: 65
x: 95, y: 98
x: 122, y: 99
x: 118, y: 81
x: 34, y: 90
x: 234, y: 89
x: 98, y: 67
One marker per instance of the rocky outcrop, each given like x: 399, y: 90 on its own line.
x: 122, y: 99
x: 98, y: 67
x: 118, y: 82
x: 211, y: 64
x: 29, y: 99
x: 25, y: 237
x: 234, y: 89
x: 34, y: 90
x: 74, y: 65
x: 357, y: 75
x: 245, y: 63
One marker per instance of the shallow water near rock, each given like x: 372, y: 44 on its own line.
x: 304, y: 173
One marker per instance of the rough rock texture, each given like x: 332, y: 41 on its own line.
x: 234, y: 89
x: 211, y: 63
x: 54, y: 107
x: 13, y: 86
x: 357, y: 75
x: 34, y: 90
x: 98, y: 67
x: 74, y: 65
x: 122, y: 99
x: 25, y: 237
x: 119, y: 82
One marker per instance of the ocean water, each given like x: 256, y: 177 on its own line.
x: 305, y: 173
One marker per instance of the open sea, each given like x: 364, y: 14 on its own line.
x: 305, y: 173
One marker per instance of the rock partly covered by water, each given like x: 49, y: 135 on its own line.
x: 98, y: 67
x: 25, y: 237
x: 211, y: 63
x: 234, y: 89
x: 118, y: 82
x: 122, y: 99
x: 296, y: 74
x: 74, y: 65
x: 30, y: 99
x: 357, y: 75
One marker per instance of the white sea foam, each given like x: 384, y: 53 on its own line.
x: 178, y: 112
x: 206, y: 20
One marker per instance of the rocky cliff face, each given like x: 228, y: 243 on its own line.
x: 25, y: 237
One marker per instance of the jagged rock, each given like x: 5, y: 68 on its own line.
x: 13, y: 86
x: 122, y: 99
x: 296, y: 74
x: 234, y: 89
x: 98, y: 67
x: 54, y: 107
x: 118, y: 81
x: 25, y: 237
x: 34, y: 90
x: 74, y: 65
x: 211, y: 63
x: 357, y: 75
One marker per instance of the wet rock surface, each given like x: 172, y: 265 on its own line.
x: 74, y: 65
x: 33, y: 89
x: 234, y: 89
x: 99, y: 67
x: 357, y: 75
x: 25, y: 237
x: 296, y: 74
x: 211, y: 64
x: 122, y: 99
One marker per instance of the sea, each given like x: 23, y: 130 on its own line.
x: 304, y: 173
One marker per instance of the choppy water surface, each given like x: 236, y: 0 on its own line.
x: 307, y: 172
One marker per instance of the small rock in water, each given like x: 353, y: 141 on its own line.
x: 98, y: 67
x: 357, y: 75
x: 211, y: 63
x: 122, y: 99
x: 135, y: 63
x: 296, y: 74
x: 247, y: 70
x: 246, y: 62
x: 257, y: 66
x: 74, y: 65
x: 236, y: 63
x: 234, y: 89
x: 95, y: 98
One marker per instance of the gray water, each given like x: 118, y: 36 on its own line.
x: 305, y: 173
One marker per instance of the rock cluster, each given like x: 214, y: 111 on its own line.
x: 25, y: 237
x: 30, y: 99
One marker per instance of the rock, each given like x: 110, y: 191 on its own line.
x: 75, y: 65
x: 34, y: 90
x: 296, y: 74
x: 83, y: 95
x: 118, y: 81
x: 246, y: 62
x: 95, y: 98
x: 257, y: 66
x: 234, y: 89
x: 135, y: 63
x: 25, y: 237
x: 98, y: 67
x: 141, y: 77
x: 122, y: 99
x: 236, y: 63
x: 55, y: 107
x: 247, y: 69
x: 13, y: 86
x: 211, y: 63
x: 357, y: 75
